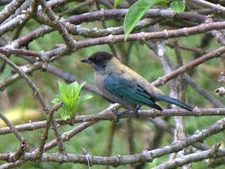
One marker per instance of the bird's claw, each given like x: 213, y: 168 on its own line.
x: 117, y: 114
x: 137, y: 114
x: 136, y: 111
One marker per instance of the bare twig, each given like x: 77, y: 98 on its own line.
x: 98, y: 117
x: 12, y: 128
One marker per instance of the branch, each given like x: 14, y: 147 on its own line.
x: 110, y: 116
x: 193, y: 157
x: 196, y: 62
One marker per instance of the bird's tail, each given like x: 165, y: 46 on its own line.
x: 175, y: 101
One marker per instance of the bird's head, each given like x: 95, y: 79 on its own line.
x: 99, y: 60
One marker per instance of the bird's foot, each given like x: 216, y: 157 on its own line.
x: 136, y: 111
x: 118, y: 114
x: 137, y: 114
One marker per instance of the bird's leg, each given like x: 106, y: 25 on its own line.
x: 136, y: 111
x: 118, y: 114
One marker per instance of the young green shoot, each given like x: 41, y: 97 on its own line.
x: 70, y: 96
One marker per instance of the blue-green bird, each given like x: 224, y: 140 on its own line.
x: 122, y: 85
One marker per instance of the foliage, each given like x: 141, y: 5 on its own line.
x: 116, y: 2
x: 70, y: 96
x: 177, y: 6
x: 138, y: 9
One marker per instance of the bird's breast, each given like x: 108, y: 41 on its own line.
x: 99, y: 80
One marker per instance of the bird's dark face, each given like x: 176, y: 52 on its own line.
x: 98, y: 60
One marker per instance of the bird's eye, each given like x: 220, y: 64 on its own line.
x: 96, y: 60
x: 100, y: 58
x: 93, y: 60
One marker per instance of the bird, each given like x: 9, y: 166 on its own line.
x: 121, y: 84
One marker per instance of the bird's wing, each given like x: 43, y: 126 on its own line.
x: 128, y: 90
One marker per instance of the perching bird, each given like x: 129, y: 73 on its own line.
x: 122, y: 85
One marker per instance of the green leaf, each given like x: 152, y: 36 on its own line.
x: 83, y: 99
x: 116, y: 2
x: 56, y: 101
x: 177, y: 6
x: 70, y: 96
x: 78, y: 89
x: 64, y: 116
x: 136, y: 12
x: 62, y: 87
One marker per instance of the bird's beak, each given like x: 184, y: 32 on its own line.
x: 85, y: 60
